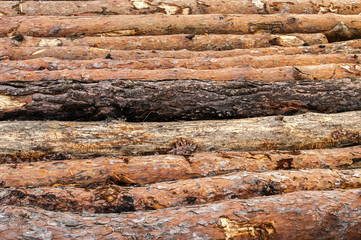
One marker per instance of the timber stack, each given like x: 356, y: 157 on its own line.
x: 193, y: 119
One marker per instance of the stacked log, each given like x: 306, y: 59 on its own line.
x: 195, y: 119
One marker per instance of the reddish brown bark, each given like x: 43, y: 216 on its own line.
x: 151, y: 169
x: 298, y: 215
x: 12, y: 50
x: 185, y: 7
x: 113, y: 198
x: 175, y: 42
x: 335, y: 27
x: 194, y: 63
x: 285, y: 73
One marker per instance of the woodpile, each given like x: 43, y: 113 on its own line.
x: 194, y: 119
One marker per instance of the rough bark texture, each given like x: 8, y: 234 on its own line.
x: 175, y: 42
x: 193, y: 63
x: 302, y: 131
x: 298, y: 215
x: 113, y: 198
x: 335, y: 27
x: 12, y: 49
x: 174, y: 99
x: 152, y: 169
x: 285, y: 73
x: 171, y: 7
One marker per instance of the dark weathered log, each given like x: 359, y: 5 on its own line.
x: 113, y: 198
x: 299, y: 215
x: 193, y: 63
x: 184, y: 7
x: 151, y: 169
x: 302, y: 131
x: 174, y: 42
x: 335, y: 27
x: 285, y: 73
x: 173, y: 99
x: 10, y: 49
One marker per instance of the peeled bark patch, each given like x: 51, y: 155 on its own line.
x: 302, y: 131
x: 113, y: 198
x: 7, y: 103
x: 289, y: 216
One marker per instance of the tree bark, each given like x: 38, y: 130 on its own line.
x: 185, y: 7
x: 151, y: 169
x: 276, y: 74
x: 113, y: 198
x: 193, y: 63
x: 306, y: 215
x: 302, y: 131
x: 171, y: 100
x: 10, y: 49
x: 175, y: 42
x: 335, y: 27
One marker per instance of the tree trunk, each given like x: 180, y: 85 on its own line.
x: 157, y: 168
x: 298, y: 215
x: 285, y: 73
x: 113, y: 198
x: 335, y: 27
x: 152, y: 169
x: 10, y: 49
x: 175, y: 42
x: 302, y: 131
x: 185, y: 7
x: 174, y: 99
x: 193, y: 63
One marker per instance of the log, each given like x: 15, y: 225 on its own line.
x: 172, y: 7
x: 159, y: 168
x: 299, y: 215
x: 12, y: 50
x: 335, y: 27
x: 304, y: 131
x: 171, y: 100
x: 113, y: 198
x: 304, y: 6
x: 268, y: 61
x: 276, y: 74
x: 156, y: 168
x: 174, y: 42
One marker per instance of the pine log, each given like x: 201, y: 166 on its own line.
x: 156, y: 168
x: 285, y: 73
x: 304, y: 131
x: 204, y: 63
x: 159, y: 168
x: 174, y: 42
x: 113, y: 198
x: 10, y: 49
x: 317, y: 7
x: 335, y: 27
x: 298, y: 215
x: 171, y: 100
x: 185, y: 7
